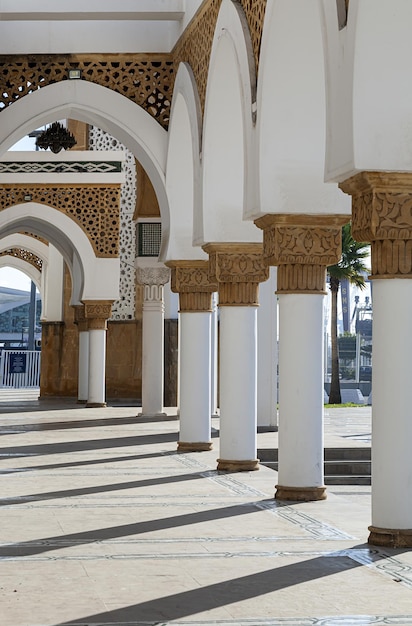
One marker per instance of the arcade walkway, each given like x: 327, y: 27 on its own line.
x: 103, y: 522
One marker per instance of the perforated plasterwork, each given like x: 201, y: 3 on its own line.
x: 25, y: 255
x: 194, y: 47
x: 124, y: 308
x: 94, y: 207
x: 145, y: 79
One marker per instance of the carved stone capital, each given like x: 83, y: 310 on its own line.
x: 191, y: 280
x: 237, y: 268
x: 80, y: 318
x: 97, y: 312
x: 153, y: 275
x: 302, y: 246
x: 382, y: 215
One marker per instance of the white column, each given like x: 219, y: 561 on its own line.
x: 195, y: 373
x: 267, y: 355
x: 153, y: 351
x: 391, y: 409
x: 214, y: 357
x: 301, y: 397
x: 97, y: 368
x: 238, y: 386
x: 83, y: 381
x: 153, y: 276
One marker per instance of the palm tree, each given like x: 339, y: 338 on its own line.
x: 350, y: 267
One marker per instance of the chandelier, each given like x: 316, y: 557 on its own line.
x: 56, y: 137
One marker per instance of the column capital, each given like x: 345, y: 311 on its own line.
x: 237, y: 268
x: 191, y: 280
x: 80, y: 317
x: 96, y: 313
x: 382, y: 215
x: 302, y: 246
x: 153, y: 275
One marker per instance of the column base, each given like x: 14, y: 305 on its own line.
x: 390, y: 537
x: 152, y: 415
x: 96, y: 405
x: 267, y: 429
x: 195, y: 446
x: 81, y: 401
x: 300, y: 494
x: 226, y: 465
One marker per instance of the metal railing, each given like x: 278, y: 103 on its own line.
x: 20, y: 368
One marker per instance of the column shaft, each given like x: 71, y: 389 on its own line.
x: 238, y: 387
x: 195, y: 371
x: 97, y: 368
x: 153, y: 352
x: 300, y: 397
x: 83, y: 383
x: 392, y: 401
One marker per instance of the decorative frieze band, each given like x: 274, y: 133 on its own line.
x: 302, y: 246
x: 382, y: 215
x: 97, y: 312
x: 238, y: 268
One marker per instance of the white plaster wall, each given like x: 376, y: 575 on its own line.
x: 228, y: 135
x: 369, y: 61
x: 291, y: 113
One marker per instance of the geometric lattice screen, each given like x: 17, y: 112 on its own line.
x: 149, y: 236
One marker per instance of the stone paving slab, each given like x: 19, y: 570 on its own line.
x: 103, y: 522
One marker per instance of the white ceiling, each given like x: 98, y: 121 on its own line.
x: 86, y: 26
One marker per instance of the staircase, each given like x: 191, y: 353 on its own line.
x: 343, y: 466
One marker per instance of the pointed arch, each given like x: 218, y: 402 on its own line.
x: 102, y: 107
x: 93, y: 278
x: 227, y: 155
x: 183, y: 176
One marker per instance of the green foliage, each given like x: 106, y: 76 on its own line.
x: 351, y: 265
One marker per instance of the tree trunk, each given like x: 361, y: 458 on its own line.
x: 334, y: 393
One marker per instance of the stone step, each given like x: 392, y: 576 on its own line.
x: 343, y: 466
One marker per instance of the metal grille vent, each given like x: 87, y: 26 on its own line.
x: 149, y: 235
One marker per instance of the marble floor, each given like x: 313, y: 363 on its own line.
x: 103, y: 522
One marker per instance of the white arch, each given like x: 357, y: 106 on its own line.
x: 110, y: 111
x: 18, y: 240
x: 291, y: 113
x: 228, y: 164
x: 92, y: 278
x: 23, y: 266
x: 183, y: 177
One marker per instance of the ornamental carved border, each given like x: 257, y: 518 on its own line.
x: 24, y: 255
x: 93, y: 207
x: 382, y: 215
x: 146, y: 79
